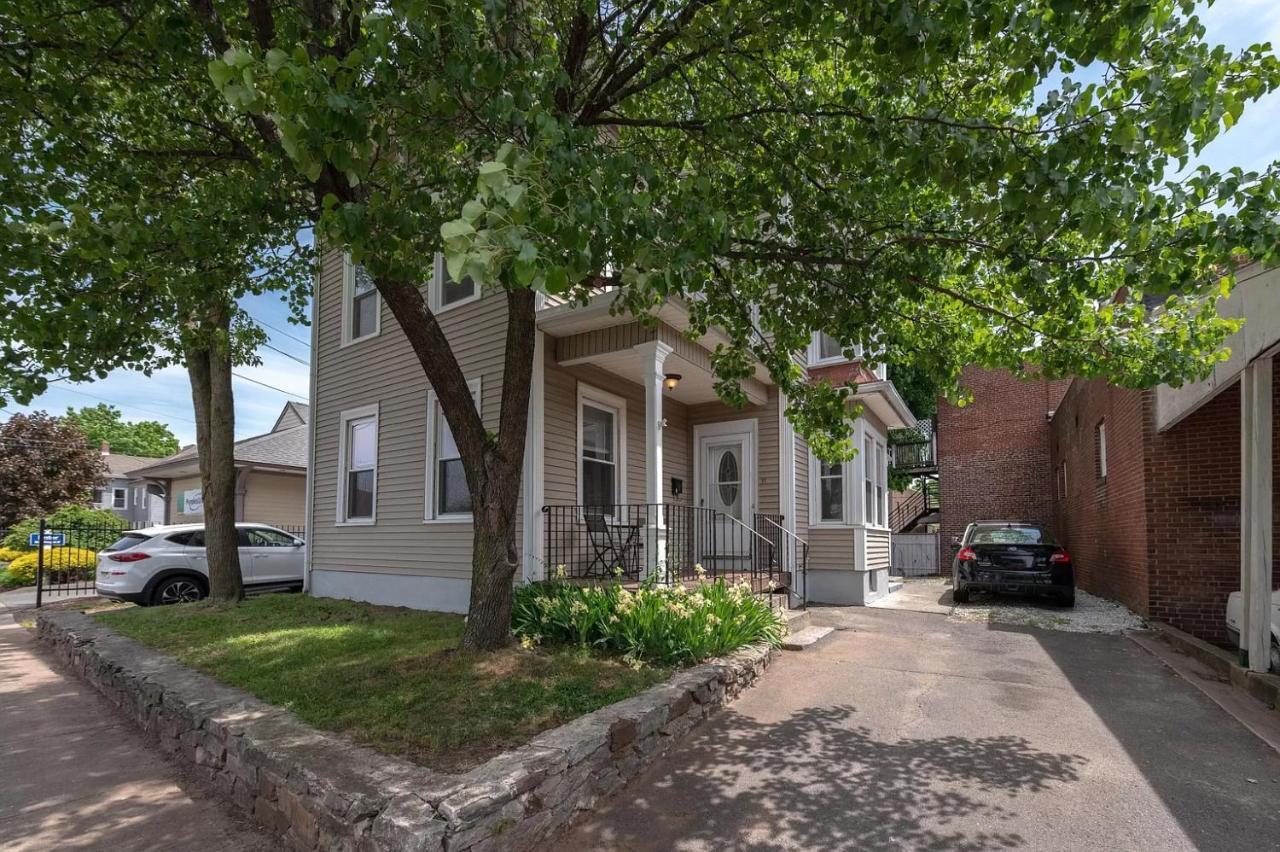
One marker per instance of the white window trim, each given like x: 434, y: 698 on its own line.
x: 348, y: 297
x: 123, y: 494
x: 882, y: 484
x: 436, y: 295
x: 816, y: 477
x: 604, y: 399
x: 815, y: 360
x: 434, y: 414
x: 345, y: 418
x: 1102, y: 449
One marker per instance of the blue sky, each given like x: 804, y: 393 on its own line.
x: 166, y: 396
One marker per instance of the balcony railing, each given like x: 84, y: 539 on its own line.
x: 620, y: 541
x: 915, y: 450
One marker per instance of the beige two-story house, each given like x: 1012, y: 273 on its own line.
x: 633, y: 464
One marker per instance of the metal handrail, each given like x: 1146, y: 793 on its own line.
x: 800, y: 546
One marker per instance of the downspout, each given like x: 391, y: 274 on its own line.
x: 309, y: 503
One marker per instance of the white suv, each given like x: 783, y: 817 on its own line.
x: 164, y: 565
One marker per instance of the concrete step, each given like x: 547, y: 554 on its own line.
x: 797, y: 619
x: 894, y: 585
x: 806, y: 638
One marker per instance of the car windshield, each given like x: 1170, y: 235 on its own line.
x: 127, y: 541
x: 1010, y: 534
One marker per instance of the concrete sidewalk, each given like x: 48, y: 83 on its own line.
x: 75, y: 776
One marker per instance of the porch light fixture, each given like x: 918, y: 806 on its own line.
x: 670, y: 380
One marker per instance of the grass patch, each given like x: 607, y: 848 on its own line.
x: 386, y: 677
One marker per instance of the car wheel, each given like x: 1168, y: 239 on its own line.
x: 960, y: 595
x: 1067, y: 598
x: 178, y: 590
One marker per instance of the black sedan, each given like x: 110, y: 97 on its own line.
x: 1011, y: 556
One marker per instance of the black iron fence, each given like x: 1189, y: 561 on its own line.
x: 615, y: 542
x: 54, y: 560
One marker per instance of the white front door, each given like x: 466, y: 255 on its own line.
x: 726, y: 485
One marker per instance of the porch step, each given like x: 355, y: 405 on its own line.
x: 797, y: 620
x: 895, y: 583
x: 806, y: 638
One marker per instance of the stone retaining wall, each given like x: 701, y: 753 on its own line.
x: 322, y: 792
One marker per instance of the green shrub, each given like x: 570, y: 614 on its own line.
x: 61, y: 565
x: 93, y: 529
x: 654, y: 623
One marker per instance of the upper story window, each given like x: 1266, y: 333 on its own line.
x: 825, y: 349
x: 358, y: 464
x: 1102, y: 449
x: 601, y: 419
x: 448, y: 495
x: 447, y: 293
x: 361, y: 304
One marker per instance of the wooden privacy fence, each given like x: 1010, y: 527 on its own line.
x: 915, y: 554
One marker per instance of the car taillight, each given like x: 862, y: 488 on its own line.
x: 127, y: 557
x: 1060, y: 557
x: 966, y: 554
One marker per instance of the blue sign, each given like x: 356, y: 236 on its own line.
x: 51, y: 539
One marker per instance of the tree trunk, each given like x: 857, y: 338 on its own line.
x: 209, y: 367
x: 495, y: 489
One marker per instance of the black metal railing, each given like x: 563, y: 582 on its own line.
x: 52, y: 560
x: 607, y: 542
x: 792, y: 555
x: 915, y: 506
x: 914, y: 450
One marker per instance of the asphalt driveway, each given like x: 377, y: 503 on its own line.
x: 910, y: 730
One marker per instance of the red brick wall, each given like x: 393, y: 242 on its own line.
x: 993, y: 455
x: 1102, y: 521
x: 1162, y: 533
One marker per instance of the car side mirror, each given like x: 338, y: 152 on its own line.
x: 955, y: 542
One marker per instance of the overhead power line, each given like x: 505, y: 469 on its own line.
x: 287, y: 355
x: 271, y: 387
x: 285, y: 333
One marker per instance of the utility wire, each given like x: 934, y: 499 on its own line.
x: 124, y: 405
x: 282, y: 331
x: 287, y: 355
x: 271, y: 387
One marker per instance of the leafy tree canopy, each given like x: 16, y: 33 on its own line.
x: 44, y: 463
x: 896, y: 173
x: 103, y: 422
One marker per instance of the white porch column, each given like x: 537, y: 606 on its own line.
x: 1255, y: 513
x: 655, y: 355
x: 533, y: 520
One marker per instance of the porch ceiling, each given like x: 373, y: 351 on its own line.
x: 696, y: 384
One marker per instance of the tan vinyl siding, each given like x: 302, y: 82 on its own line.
x: 176, y: 487
x: 561, y: 447
x: 275, y: 498
x: 802, y: 486
x: 766, y: 461
x: 602, y: 340
x: 384, y: 370
x: 878, y: 551
x: 830, y: 548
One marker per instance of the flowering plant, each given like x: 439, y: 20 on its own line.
x: 654, y: 623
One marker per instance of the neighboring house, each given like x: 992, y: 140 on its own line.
x: 136, y: 502
x: 271, y: 476
x: 626, y: 436
x: 1144, y: 487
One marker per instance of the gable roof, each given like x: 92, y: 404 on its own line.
x: 119, y: 464
x: 285, y: 446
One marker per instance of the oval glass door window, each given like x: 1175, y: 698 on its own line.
x: 728, y: 485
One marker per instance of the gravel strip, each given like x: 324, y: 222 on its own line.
x: 1091, y: 614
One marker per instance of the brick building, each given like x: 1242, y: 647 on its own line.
x: 1143, y: 487
x: 994, y: 455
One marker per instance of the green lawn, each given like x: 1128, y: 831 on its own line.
x: 388, y: 678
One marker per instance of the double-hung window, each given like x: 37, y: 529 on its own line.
x: 361, y: 305
x: 869, y: 480
x: 881, y: 508
x: 119, y: 498
x: 825, y: 349
x: 448, y: 495
x: 830, y: 491
x: 358, y: 453
x: 600, y: 452
x: 447, y: 293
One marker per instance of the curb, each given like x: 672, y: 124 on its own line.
x: 1264, y: 687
